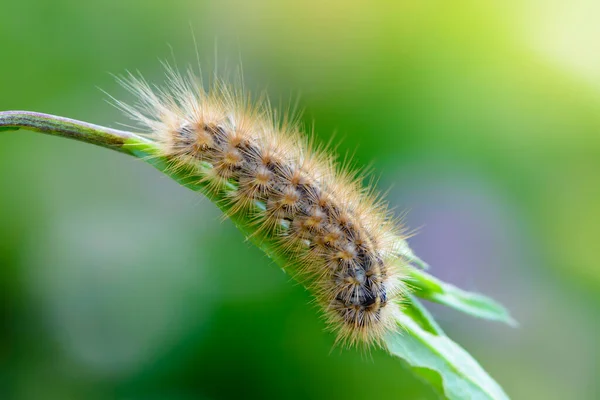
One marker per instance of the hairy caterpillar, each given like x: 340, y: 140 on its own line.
x: 343, y: 240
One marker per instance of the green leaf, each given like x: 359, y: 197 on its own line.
x: 411, y: 257
x: 415, y: 310
x: 435, y: 358
x: 430, y: 288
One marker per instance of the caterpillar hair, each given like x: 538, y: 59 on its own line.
x: 343, y: 241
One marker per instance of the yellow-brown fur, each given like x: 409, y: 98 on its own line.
x: 340, y: 235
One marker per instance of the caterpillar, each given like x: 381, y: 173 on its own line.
x: 342, y: 237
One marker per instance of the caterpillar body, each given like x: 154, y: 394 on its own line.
x: 342, y: 238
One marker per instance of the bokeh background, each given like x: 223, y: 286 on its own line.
x: 482, y: 117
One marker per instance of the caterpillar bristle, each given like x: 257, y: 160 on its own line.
x: 342, y: 241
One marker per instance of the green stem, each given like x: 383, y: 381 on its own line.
x: 65, y: 127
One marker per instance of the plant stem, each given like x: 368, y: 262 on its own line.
x: 60, y: 126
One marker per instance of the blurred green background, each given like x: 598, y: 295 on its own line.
x: 483, y: 117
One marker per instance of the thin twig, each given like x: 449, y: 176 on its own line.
x: 70, y: 128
